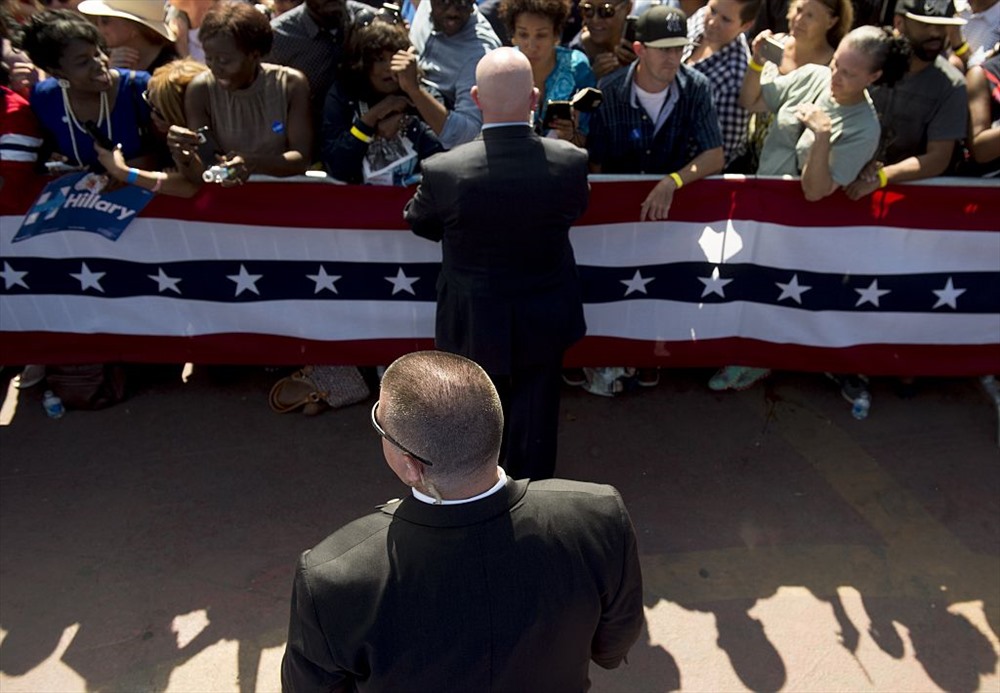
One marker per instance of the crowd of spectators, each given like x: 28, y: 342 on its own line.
x: 292, y: 85
x: 690, y: 89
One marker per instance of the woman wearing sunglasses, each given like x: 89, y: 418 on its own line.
x: 535, y: 28
x: 602, y: 38
x: 165, y: 98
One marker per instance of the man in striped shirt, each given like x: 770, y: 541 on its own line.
x: 657, y: 115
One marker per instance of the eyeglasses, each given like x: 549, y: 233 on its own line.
x: 604, y: 11
x: 153, y: 109
x: 381, y: 432
x: 388, y: 13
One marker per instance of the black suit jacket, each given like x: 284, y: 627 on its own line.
x: 508, y: 294
x: 515, y: 592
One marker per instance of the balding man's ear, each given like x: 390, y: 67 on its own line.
x: 475, y: 96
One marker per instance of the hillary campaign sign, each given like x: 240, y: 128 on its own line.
x: 80, y: 202
x: 745, y: 271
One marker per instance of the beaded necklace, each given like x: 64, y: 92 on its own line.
x: 103, y: 114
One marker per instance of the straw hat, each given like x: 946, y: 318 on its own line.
x: 146, y: 12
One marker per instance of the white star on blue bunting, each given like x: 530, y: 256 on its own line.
x: 948, y: 296
x: 88, y: 279
x: 164, y: 282
x: 11, y: 277
x: 636, y: 283
x: 402, y: 283
x: 244, y: 281
x: 324, y: 280
x: 871, y: 295
x: 714, y: 285
x: 792, y: 290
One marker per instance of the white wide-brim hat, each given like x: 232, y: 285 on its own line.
x: 149, y: 13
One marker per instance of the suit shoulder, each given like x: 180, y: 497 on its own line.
x: 350, y: 538
x: 565, y: 150
x: 582, y: 492
x: 450, y: 157
x: 577, y: 503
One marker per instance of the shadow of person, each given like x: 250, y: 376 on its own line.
x: 26, y: 646
x: 755, y: 660
x: 646, y: 662
x: 951, y: 649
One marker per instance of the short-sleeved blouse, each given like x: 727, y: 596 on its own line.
x: 130, y: 118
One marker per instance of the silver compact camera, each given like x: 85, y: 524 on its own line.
x: 219, y: 174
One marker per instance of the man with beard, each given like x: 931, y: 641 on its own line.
x: 449, y: 37
x: 311, y: 38
x: 924, y: 115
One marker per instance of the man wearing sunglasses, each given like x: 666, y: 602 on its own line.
x: 602, y: 38
x: 657, y: 116
x: 474, y: 581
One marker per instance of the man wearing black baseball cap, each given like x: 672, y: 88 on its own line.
x: 924, y: 115
x: 657, y: 115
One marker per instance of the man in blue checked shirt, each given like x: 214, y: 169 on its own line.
x: 657, y: 115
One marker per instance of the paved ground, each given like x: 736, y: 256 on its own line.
x: 151, y: 546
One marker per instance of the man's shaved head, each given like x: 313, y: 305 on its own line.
x: 504, y: 90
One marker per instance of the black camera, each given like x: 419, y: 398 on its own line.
x: 99, y: 137
x: 629, y: 33
x: 586, y: 100
x: 209, y: 150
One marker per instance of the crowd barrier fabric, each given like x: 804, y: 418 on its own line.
x: 745, y: 271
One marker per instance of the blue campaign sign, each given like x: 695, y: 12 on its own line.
x: 78, y: 202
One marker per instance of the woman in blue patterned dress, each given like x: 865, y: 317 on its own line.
x: 535, y: 29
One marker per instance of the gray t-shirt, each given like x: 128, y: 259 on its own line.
x: 854, y: 132
x: 930, y: 105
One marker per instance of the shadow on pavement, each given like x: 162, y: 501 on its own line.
x: 172, y: 522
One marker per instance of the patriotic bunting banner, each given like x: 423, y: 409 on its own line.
x: 745, y: 271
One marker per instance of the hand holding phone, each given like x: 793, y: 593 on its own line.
x: 98, y: 135
x: 209, y: 150
x: 772, y: 50
x: 557, y: 109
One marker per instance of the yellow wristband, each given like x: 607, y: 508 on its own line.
x: 963, y: 49
x: 677, y: 180
x: 754, y: 65
x: 360, y: 135
x: 883, y: 180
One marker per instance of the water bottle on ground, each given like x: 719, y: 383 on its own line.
x: 861, y: 406
x: 53, y: 405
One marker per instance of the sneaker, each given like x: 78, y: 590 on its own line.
x: 750, y: 377
x: 30, y: 376
x: 737, y: 377
x: 574, y: 377
x: 648, y: 377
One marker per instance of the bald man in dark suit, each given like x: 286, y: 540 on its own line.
x: 509, y: 296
